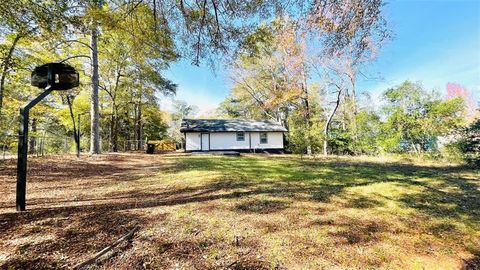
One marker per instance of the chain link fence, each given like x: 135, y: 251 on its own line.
x: 48, y: 145
x: 39, y: 145
x: 131, y: 145
x: 42, y: 142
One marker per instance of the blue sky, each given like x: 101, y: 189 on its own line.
x: 435, y: 42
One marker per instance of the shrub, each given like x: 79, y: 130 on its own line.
x: 470, y: 144
x: 452, y: 152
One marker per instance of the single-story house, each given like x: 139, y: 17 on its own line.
x: 232, y: 134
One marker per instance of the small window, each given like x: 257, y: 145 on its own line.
x: 263, y: 138
x: 240, y: 136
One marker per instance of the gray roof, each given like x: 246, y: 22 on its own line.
x: 229, y: 125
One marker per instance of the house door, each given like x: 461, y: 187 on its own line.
x: 205, y: 142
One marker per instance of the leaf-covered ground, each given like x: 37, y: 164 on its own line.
x: 249, y: 212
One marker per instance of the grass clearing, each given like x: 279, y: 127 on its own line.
x: 249, y: 212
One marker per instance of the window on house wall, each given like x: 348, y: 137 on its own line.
x: 240, y: 136
x: 263, y: 138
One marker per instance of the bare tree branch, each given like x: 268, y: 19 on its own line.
x: 202, y: 22
x: 75, y: 56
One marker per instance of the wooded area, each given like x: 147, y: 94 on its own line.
x: 369, y: 178
x: 297, y: 63
x: 280, y: 74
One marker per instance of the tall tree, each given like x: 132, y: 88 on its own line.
x: 216, y: 26
x: 454, y: 90
x: 471, y: 143
x: 94, y: 105
x: 25, y: 19
x: 6, y: 65
x: 181, y: 110
x: 415, y: 118
x: 350, y: 32
x: 157, y: 32
x: 269, y: 73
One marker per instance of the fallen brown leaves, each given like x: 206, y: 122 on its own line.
x: 250, y: 212
x: 76, y: 207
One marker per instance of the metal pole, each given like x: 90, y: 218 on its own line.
x: 22, y: 159
x: 78, y: 136
x: 22, y: 149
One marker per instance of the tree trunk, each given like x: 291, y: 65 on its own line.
x: 415, y: 148
x: 5, y: 69
x: 354, y: 95
x: 94, y: 110
x: 355, y: 112
x: 308, y: 121
x: 33, y: 137
x: 113, y: 137
x: 329, y: 121
x: 344, y: 113
x: 135, y: 123
x: 115, y: 129
x: 140, y: 126
x: 76, y: 136
x: 110, y: 136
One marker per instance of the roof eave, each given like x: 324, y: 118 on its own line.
x: 203, y: 130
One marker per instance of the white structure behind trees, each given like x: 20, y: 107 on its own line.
x: 236, y: 135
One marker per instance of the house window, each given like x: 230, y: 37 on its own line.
x: 240, y: 136
x: 263, y: 138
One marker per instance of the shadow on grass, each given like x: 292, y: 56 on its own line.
x: 76, y: 231
x: 360, y: 233
x: 472, y: 263
x: 261, y: 206
x: 87, y: 228
x: 323, y: 179
x: 54, y: 169
x: 363, y: 202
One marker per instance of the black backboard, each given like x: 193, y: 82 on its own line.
x: 58, y: 75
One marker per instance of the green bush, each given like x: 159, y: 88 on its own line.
x: 470, y: 144
x: 452, y: 152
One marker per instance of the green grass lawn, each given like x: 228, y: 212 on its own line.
x: 252, y: 212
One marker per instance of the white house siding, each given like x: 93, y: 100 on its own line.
x: 192, y: 141
x: 274, y: 140
x: 228, y: 141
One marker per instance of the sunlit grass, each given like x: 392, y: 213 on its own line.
x: 344, y: 212
x: 260, y: 211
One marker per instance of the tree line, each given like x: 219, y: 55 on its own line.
x: 122, y: 48
x: 297, y: 62
x: 120, y: 57
x: 286, y: 72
